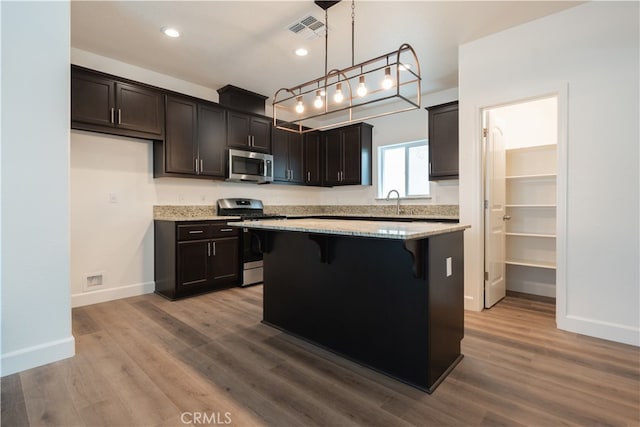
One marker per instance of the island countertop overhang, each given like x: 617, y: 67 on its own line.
x: 356, y: 228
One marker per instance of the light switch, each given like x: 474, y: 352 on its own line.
x: 449, y: 269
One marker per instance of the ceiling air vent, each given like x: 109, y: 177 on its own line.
x: 309, y: 27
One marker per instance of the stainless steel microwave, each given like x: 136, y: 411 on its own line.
x: 249, y: 166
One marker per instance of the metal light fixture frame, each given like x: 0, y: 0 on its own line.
x: 352, y: 102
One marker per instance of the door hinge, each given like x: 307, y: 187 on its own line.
x: 486, y: 275
x: 484, y: 132
x: 486, y: 204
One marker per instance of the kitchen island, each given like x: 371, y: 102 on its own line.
x: 388, y: 295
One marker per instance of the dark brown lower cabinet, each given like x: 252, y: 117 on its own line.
x: 195, y: 257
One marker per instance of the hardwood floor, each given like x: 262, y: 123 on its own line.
x: 208, y: 360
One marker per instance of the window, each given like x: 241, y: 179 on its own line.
x: 404, y: 167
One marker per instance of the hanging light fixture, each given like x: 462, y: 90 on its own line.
x: 362, y: 88
x: 339, y: 96
x: 318, y: 103
x: 398, y: 89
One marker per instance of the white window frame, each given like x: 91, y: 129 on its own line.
x: 380, y: 166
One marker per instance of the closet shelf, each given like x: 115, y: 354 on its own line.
x: 529, y: 263
x: 530, y: 206
x: 543, y: 235
x: 533, y: 176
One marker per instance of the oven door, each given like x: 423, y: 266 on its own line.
x: 251, y: 258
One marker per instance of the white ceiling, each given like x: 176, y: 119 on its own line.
x: 247, y: 43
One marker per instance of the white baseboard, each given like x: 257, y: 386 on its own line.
x: 605, y: 330
x: 110, y: 294
x: 38, y: 355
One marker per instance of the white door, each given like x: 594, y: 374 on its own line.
x: 495, y: 215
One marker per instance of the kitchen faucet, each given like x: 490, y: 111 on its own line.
x: 397, y: 200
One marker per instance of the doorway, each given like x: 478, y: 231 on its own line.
x: 521, y: 193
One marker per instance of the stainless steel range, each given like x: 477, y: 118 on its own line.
x: 248, y: 209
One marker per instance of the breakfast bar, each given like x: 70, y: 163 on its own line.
x: 387, y: 295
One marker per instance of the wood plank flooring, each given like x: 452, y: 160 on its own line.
x: 147, y: 361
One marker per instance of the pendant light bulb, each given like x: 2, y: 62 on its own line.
x: 299, y: 106
x: 338, y: 97
x: 387, y: 83
x: 318, y: 103
x: 362, y: 88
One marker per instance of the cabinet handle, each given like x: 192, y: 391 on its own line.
x: 119, y: 116
x: 226, y: 229
x: 506, y: 217
x: 111, y: 119
x: 214, y: 248
x: 196, y: 164
x: 201, y: 167
x: 196, y: 232
x: 208, y: 248
x: 291, y: 174
x: 308, y: 176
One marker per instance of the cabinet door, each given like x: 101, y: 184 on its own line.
x: 280, y: 151
x: 351, y: 153
x: 248, y: 132
x: 193, y: 263
x: 332, y: 158
x: 139, y: 109
x: 225, y: 260
x: 443, y: 141
x: 238, y: 125
x: 296, y: 154
x: 212, y: 139
x: 260, y: 131
x: 312, y: 158
x: 92, y: 99
x: 180, y: 140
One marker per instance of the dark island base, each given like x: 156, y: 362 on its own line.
x: 361, y: 298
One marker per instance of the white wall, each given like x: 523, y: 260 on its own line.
x: 530, y: 123
x: 116, y: 239
x: 36, y: 312
x: 589, y: 55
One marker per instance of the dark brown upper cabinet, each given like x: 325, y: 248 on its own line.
x: 248, y: 132
x: 312, y: 149
x: 347, y: 155
x: 195, y: 140
x: 443, y: 141
x: 287, y: 150
x: 103, y: 103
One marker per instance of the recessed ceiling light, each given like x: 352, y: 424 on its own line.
x: 170, y: 32
x: 301, y: 51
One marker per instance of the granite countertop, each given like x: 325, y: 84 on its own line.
x: 378, y: 229
x: 386, y: 212
x: 179, y: 217
x: 389, y: 217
